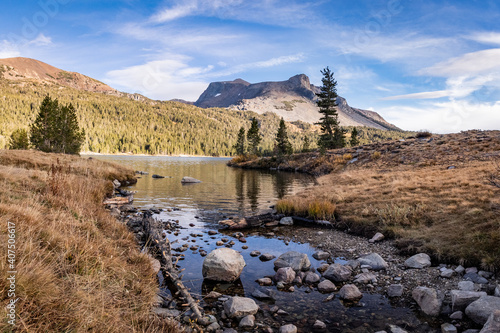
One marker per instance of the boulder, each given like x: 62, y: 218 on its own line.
x: 395, y: 290
x: 247, y: 322
x: 265, y: 281
x: 448, y: 328
x: 239, y: 307
x: 285, y: 275
x: 286, y: 221
x: 350, y: 292
x: 497, y: 290
x: 190, y: 180
x: 321, y: 255
x: 311, y: 278
x: 223, y: 265
x: 319, y: 325
x: 365, y: 278
x: 474, y: 277
x: 418, y: 261
x: 298, y: 261
x: 460, y: 299
x: 429, y: 300
x: 290, y: 328
x: 374, y: 260
x: 447, y: 273
x: 493, y: 323
x: 255, y: 253
x: 377, y: 238
x: 266, y: 257
x: 116, y: 183
x: 326, y: 286
x: 457, y: 315
x: 481, y: 309
x: 338, y: 273
x: 467, y: 286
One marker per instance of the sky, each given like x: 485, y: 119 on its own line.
x: 422, y: 65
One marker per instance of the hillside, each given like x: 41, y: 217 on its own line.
x: 294, y: 99
x: 432, y: 194
x: 116, y: 122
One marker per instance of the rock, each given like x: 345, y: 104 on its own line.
x: 223, y: 265
x: 230, y: 330
x: 338, y: 273
x: 467, y: 286
x: 298, y: 261
x: 219, y: 243
x: 213, y: 327
x: 290, y: 328
x: 155, y: 264
x: 471, y: 270
x: 212, y: 232
x: 461, y: 299
x: 350, y: 292
x: 429, y: 300
x: 285, y: 275
x: 323, y: 268
x: 239, y: 307
x: 481, y: 309
x: 266, y: 257
x: 447, y: 273
x: 365, y: 278
x: 460, y: 269
x: 471, y: 331
x: 377, y: 238
x: 255, y: 253
x: 286, y: 221
x: 319, y: 325
x: 448, y: 328
x: 247, y: 322
x: 396, y: 329
x: 297, y: 280
x: 374, y: 260
x: 497, y: 290
x: 457, y: 315
x: 157, y: 176
x: 321, y: 255
x: 395, y: 290
x: 311, y: 278
x: 116, y: 183
x: 264, y: 294
x: 213, y: 295
x: 493, y: 323
x: 418, y: 261
x: 326, y: 286
x: 166, y: 313
x: 265, y: 281
x: 190, y: 180
x: 474, y: 277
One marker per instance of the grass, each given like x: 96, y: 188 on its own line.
x: 78, y: 268
x: 319, y: 209
x: 411, y: 193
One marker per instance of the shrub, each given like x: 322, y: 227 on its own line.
x: 376, y: 155
x: 19, y: 139
x: 423, y: 134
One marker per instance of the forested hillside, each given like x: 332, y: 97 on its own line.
x: 122, y: 125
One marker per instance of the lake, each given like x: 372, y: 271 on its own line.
x: 230, y: 192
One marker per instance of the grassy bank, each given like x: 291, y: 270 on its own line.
x: 78, y: 269
x: 433, y: 194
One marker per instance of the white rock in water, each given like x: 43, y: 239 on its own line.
x: 223, y: 264
x: 190, y: 180
x: 239, y: 307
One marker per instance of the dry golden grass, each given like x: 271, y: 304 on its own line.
x: 409, y: 193
x: 318, y: 209
x: 78, y: 269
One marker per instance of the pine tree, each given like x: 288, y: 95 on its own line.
x: 253, y: 137
x: 56, y: 128
x: 306, y: 145
x: 283, y: 145
x: 354, y: 137
x: 333, y: 136
x: 240, y: 143
x: 19, y: 139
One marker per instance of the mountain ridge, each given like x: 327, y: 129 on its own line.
x: 293, y: 99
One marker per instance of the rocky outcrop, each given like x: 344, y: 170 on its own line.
x: 293, y: 99
x: 223, y: 265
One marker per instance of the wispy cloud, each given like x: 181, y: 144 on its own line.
x: 8, y: 50
x: 40, y: 40
x: 492, y: 37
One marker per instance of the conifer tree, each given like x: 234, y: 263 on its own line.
x: 56, y: 128
x: 240, y: 142
x: 19, y: 139
x: 283, y: 145
x: 253, y: 137
x: 333, y: 136
x: 354, y: 137
x: 306, y: 145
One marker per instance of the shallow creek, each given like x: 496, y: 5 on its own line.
x: 227, y: 192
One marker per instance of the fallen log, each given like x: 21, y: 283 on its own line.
x: 251, y: 221
x: 119, y: 200
x: 162, y: 250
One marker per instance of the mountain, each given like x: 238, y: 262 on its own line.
x: 293, y: 99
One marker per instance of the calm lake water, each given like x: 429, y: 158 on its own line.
x: 226, y: 192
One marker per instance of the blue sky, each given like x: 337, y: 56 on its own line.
x: 431, y: 65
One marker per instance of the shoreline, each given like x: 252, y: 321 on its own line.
x: 148, y: 155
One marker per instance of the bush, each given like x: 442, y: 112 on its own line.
x: 423, y: 134
x: 19, y: 139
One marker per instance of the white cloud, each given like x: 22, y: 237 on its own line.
x: 446, y: 117
x: 8, y: 50
x: 161, y: 79
x: 486, y: 37
x: 41, y: 40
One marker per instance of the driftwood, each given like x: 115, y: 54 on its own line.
x: 162, y: 247
x: 119, y: 200
x: 251, y: 221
